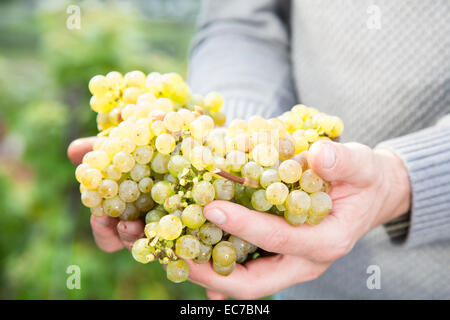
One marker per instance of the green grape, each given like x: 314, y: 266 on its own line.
x: 201, y: 157
x: 311, y: 182
x: 210, y: 234
x: 193, y: 232
x: 192, y: 216
x: 320, y: 204
x: 169, y: 227
x: 224, y: 189
x: 98, y: 85
x: 165, y: 143
x: 265, y: 155
x: 159, y: 163
x: 130, y: 213
x: 172, y: 203
x: 144, y: 203
x: 91, y: 178
x: 290, y: 171
x: 268, y: 177
x: 314, y: 220
x: 97, y: 159
x: 276, y: 193
x: 224, y: 271
x: 203, y: 193
x: 170, y: 178
x: 141, y: 249
x: 224, y: 254
x: 259, y: 201
x: 139, y: 172
x: 112, y: 173
x: 151, y: 230
x: 302, y: 160
x: 173, y: 121
x: 177, y: 271
x: 114, y: 206
x: 295, y: 219
x: 154, y: 215
x: 236, y: 159
x: 91, y: 198
x: 108, y: 188
x: 123, y: 161
x: 205, y: 253
x: 187, y: 247
x: 135, y: 79
x: 213, y: 101
x: 177, y: 164
x: 286, y: 148
x: 145, y: 185
x: 241, y: 247
x: 298, y: 202
x: 161, y: 191
x: 129, y: 191
x: 143, y: 154
x: 252, y: 170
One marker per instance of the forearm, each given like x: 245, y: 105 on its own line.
x: 242, y: 50
x: 426, y: 155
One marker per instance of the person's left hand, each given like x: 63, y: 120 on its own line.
x: 369, y: 188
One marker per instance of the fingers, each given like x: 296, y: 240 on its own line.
x: 273, y: 233
x: 258, y: 278
x: 105, y: 233
x: 111, y: 234
x: 130, y: 231
x: 78, y: 148
x: 215, y: 295
x: 350, y: 162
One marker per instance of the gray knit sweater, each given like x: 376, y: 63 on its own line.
x: 384, y: 68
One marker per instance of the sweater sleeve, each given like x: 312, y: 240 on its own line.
x: 242, y: 50
x: 426, y: 154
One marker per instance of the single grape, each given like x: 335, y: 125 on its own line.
x: 187, y: 247
x: 177, y: 164
x: 129, y: 191
x: 144, y: 203
x: 154, y: 215
x: 91, y: 178
x: 91, y: 198
x: 172, y: 203
x: 286, y: 148
x: 123, y: 161
x: 108, y: 188
x: 302, y: 160
x: 135, y: 79
x: 169, y: 227
x: 298, y: 202
x: 151, y: 229
x: 268, y: 177
x: 80, y: 171
x: 139, y: 172
x: 143, y: 155
x: 290, y: 171
x: 224, y: 189
x: 161, y: 191
x: 265, y: 155
x: 173, y: 121
x: 224, y: 271
x: 320, y: 204
x: 201, y: 157
x: 241, y: 247
x: 311, y: 182
x: 98, y: 85
x: 295, y: 219
x: 259, y: 201
x: 145, y: 185
x: 205, y: 253
x: 165, y: 143
x: 276, y: 193
x: 192, y: 216
x: 177, y: 271
x: 213, y: 101
x: 236, y: 159
x: 252, y: 170
x: 203, y: 193
x: 224, y: 253
x: 96, y: 159
x: 210, y: 234
x: 141, y: 249
x: 160, y: 162
x: 130, y: 213
x: 114, y: 206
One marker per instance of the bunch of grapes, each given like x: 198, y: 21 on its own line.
x: 162, y: 155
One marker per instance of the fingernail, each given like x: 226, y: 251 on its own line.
x: 328, y: 156
x: 216, y: 216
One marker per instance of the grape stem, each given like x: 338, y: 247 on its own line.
x: 242, y: 180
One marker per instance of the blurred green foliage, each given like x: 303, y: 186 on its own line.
x: 44, y: 71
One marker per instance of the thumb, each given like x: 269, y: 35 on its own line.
x: 215, y: 295
x: 350, y: 162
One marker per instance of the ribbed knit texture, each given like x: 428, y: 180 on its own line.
x: 389, y: 85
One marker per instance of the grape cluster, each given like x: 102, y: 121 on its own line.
x: 162, y: 155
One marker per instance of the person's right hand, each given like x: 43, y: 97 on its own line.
x: 110, y: 234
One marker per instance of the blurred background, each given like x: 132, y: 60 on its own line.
x: 44, y: 71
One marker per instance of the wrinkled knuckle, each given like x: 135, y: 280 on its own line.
x: 341, y: 248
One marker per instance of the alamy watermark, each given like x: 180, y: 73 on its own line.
x: 74, y: 279
x: 74, y: 19
x: 374, y: 280
x: 374, y: 20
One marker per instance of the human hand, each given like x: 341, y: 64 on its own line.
x: 110, y: 233
x: 369, y: 188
